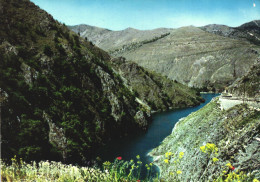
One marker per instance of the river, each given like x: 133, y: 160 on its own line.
x: 141, y: 143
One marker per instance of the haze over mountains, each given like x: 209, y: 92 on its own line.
x: 209, y: 57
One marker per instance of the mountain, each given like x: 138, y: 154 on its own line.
x: 189, y: 55
x: 61, y: 96
x: 249, y: 31
x: 248, y: 85
x: 110, y: 40
x: 157, y: 91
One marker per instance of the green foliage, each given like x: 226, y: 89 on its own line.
x: 47, y: 50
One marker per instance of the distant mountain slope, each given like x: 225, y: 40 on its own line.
x: 249, y: 31
x: 247, y: 86
x: 110, y: 40
x: 190, y: 55
x: 155, y: 90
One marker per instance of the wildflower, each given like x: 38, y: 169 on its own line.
x: 171, y: 173
x: 181, y: 155
x: 215, y: 159
x: 138, y: 156
x: 119, y: 158
x: 151, y: 164
x: 166, y: 161
x: 232, y: 168
x: 228, y: 165
x: 255, y: 180
x: 179, y: 172
x: 203, y: 149
x: 138, y: 180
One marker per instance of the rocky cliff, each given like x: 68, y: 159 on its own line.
x: 193, y: 56
x: 60, y: 96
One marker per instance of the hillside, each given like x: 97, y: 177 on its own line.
x: 155, y: 90
x: 60, y: 97
x: 249, y: 31
x: 190, y: 55
x: 110, y: 40
x: 235, y: 132
x: 233, y: 129
x: 247, y: 86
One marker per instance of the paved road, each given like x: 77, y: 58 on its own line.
x: 226, y: 103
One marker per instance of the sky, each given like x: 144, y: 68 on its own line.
x: 150, y: 14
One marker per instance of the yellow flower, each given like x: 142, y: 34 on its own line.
x: 215, y: 159
x: 166, y: 161
x: 181, y: 155
x: 171, y: 173
x: 203, y: 148
x: 151, y: 164
x: 138, y: 156
x: 166, y: 154
x: 255, y: 180
x: 179, y: 172
x: 228, y: 165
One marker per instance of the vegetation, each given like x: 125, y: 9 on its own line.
x: 118, y: 171
x: 159, y: 92
x: 62, y: 98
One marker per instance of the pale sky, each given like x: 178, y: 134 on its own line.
x: 150, y: 14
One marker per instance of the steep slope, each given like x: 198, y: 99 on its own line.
x: 196, y: 58
x: 235, y: 132
x: 190, y: 55
x: 249, y: 31
x: 111, y: 40
x: 247, y: 86
x: 155, y: 90
x: 60, y: 98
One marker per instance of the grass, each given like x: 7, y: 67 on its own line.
x: 118, y: 171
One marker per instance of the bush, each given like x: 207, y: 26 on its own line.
x: 47, y: 50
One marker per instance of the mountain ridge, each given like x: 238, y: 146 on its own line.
x: 213, y: 61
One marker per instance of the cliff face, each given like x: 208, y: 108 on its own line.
x: 158, y: 92
x: 192, y: 56
x: 60, y: 96
x: 235, y: 133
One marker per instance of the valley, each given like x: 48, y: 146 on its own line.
x: 167, y: 104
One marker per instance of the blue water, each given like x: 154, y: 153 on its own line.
x: 141, y: 143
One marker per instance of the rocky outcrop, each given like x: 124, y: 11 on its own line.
x: 235, y: 133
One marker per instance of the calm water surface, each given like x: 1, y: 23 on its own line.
x: 161, y: 126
